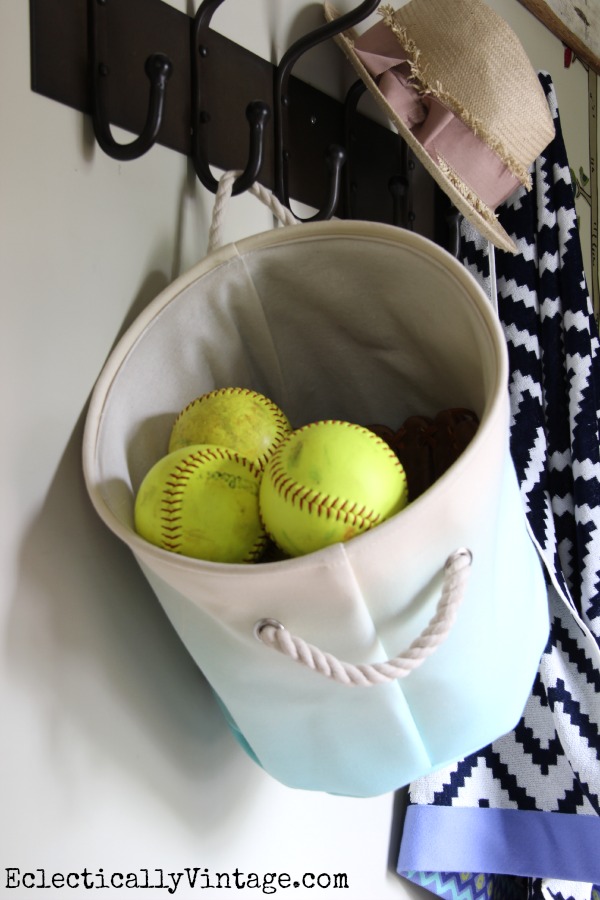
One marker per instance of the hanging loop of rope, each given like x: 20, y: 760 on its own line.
x: 222, y: 198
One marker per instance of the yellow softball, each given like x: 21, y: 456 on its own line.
x: 202, y: 501
x: 238, y: 418
x: 328, y: 482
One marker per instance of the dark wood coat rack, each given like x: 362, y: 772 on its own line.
x: 169, y: 78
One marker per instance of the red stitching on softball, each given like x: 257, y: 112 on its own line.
x: 171, y: 530
x: 257, y: 550
x: 174, y: 548
x: 299, y: 494
x: 172, y: 499
x: 282, y: 424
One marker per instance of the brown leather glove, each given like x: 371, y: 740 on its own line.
x: 428, y: 447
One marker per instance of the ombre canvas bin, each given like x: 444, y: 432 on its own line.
x: 370, y: 324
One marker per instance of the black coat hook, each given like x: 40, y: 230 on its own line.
x: 158, y: 68
x: 257, y: 113
x: 336, y: 154
x: 399, y: 183
x: 400, y: 188
x: 453, y: 222
x: 351, y: 99
x: 335, y: 159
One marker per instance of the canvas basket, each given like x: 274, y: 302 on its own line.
x: 370, y: 324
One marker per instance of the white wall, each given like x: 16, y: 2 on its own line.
x: 112, y: 752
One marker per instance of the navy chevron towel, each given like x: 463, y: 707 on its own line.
x: 521, y: 818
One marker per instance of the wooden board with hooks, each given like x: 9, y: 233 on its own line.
x: 232, y: 77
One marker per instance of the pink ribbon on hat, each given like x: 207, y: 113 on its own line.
x: 441, y: 133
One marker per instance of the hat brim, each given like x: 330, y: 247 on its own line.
x: 493, y: 231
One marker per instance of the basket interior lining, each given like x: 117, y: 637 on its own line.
x: 334, y: 328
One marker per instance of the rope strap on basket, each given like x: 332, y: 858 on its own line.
x: 455, y: 576
x: 223, y: 196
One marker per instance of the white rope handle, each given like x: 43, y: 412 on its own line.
x: 456, y: 572
x: 223, y: 196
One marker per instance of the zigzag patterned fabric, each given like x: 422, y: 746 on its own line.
x: 521, y: 817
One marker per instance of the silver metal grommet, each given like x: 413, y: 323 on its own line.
x: 264, y: 623
x: 463, y: 552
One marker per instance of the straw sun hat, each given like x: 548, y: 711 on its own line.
x: 455, y: 80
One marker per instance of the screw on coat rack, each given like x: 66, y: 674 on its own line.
x: 158, y: 68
